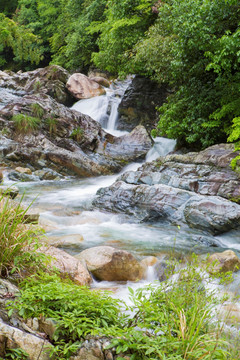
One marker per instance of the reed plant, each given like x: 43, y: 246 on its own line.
x: 25, y: 124
x: 18, y: 240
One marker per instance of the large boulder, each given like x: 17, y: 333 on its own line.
x: 207, y: 172
x: 36, y: 347
x: 82, y: 87
x: 50, y: 80
x: 197, y: 189
x: 138, y: 105
x: 223, y: 262
x: 127, y: 147
x: 163, y: 202
x: 64, y: 140
x: 110, y: 264
x: 67, y: 265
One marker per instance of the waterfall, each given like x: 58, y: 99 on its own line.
x: 104, y: 108
x: 162, y: 146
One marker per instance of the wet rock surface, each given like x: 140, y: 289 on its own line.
x: 207, y: 172
x: 62, y: 140
x: 187, y: 189
x: 138, y: 105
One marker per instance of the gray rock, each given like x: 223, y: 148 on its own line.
x: 93, y: 152
x: 47, y: 174
x: 207, y: 172
x: 163, y: 202
x: 133, y: 145
x: 50, y: 80
x: 138, y: 105
x: 11, y: 191
x: 17, y: 176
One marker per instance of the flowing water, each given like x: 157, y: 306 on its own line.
x: 104, y: 109
x: 66, y: 208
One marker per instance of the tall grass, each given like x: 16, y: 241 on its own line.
x: 18, y: 241
x: 25, y: 124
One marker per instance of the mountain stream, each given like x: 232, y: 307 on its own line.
x: 66, y: 211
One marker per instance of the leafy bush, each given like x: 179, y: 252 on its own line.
x: 18, y: 241
x: 25, y: 124
x: 193, y: 47
x: 235, y: 137
x: 171, y: 320
x: 18, y: 43
x: 77, y: 311
x: 15, y: 354
x: 125, y: 23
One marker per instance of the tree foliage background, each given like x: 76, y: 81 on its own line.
x: 191, y: 45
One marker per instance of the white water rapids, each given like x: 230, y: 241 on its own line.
x: 66, y: 213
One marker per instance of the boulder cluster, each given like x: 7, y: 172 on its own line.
x: 41, y: 132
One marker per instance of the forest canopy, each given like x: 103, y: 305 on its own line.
x: 193, y: 46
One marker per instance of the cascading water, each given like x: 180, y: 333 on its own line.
x: 65, y: 207
x: 104, y: 109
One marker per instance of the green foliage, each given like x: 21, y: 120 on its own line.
x: 17, y: 43
x: 235, y: 137
x: 18, y: 241
x: 77, y: 134
x: 37, y: 85
x: 79, y: 43
x: 42, y: 18
x: 62, y: 27
x: 37, y: 110
x: 77, y: 311
x: 52, y: 124
x: 125, y: 24
x: 8, y: 7
x: 171, y: 320
x: 193, y: 46
x: 25, y: 123
x: 15, y: 354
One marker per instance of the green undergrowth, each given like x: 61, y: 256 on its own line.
x: 15, y: 354
x: 26, y: 124
x: 18, y: 241
x: 234, y: 136
x: 171, y: 320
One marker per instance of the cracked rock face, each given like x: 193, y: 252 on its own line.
x: 191, y: 189
x: 36, y: 347
x: 65, y: 140
x: 50, y: 80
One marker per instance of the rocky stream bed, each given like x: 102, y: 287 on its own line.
x: 107, y: 212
